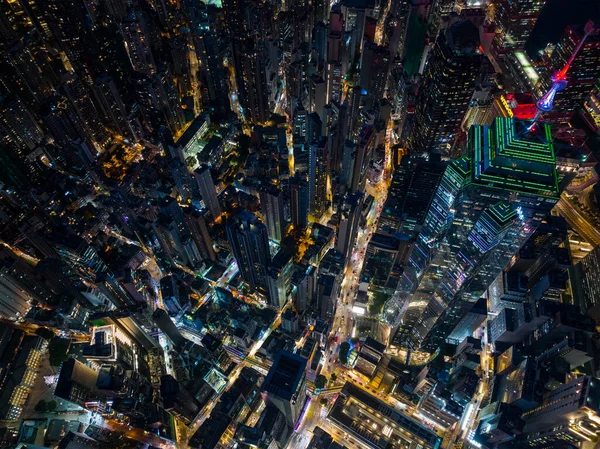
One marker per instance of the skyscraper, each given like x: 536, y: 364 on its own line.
x: 485, y: 208
x: 279, y: 277
x: 249, y: 242
x: 299, y: 201
x: 285, y: 385
x: 516, y: 19
x: 350, y: 213
x: 207, y: 190
x: 449, y: 81
x: 374, y: 71
x: 565, y: 409
x: 212, y: 67
x: 318, y: 173
x: 272, y: 207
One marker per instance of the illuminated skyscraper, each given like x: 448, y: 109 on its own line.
x: 484, y: 209
x: 515, y: 20
x: 449, y: 81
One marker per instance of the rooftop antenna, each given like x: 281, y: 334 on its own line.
x: 559, y: 79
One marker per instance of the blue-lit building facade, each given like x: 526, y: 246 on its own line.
x: 488, y: 203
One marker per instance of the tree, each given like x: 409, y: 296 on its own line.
x: 344, y: 350
x: 41, y: 406
x: 45, y: 333
x: 51, y: 406
x: 320, y: 381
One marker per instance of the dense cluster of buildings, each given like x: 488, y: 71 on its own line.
x: 249, y: 224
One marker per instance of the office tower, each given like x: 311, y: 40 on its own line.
x: 272, y: 209
x: 515, y: 20
x: 448, y: 83
x: 212, y: 70
x: 318, y: 173
x: 113, y: 109
x: 317, y: 94
x: 484, y: 209
x: 285, y: 385
x: 572, y: 406
x: 208, y: 190
x: 350, y: 212
x: 374, y: 71
x: 413, y: 186
x: 279, y: 277
x: 249, y: 242
x: 299, y: 201
x: 137, y: 44
x: 583, y: 72
x: 18, y: 126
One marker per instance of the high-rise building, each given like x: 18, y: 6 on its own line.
x: 137, y: 44
x: 279, y: 278
x: 272, y: 208
x: 448, y: 83
x: 251, y: 76
x: 299, y: 201
x: 374, y: 71
x: 318, y: 173
x: 249, y: 242
x: 585, y: 283
x: 350, y: 213
x: 317, y: 94
x: 572, y: 406
x: 413, y: 186
x: 112, y: 107
x: 212, y: 67
x: 484, y: 209
x: 18, y: 125
x: 285, y: 385
x: 207, y: 189
x: 582, y: 75
x: 515, y: 20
